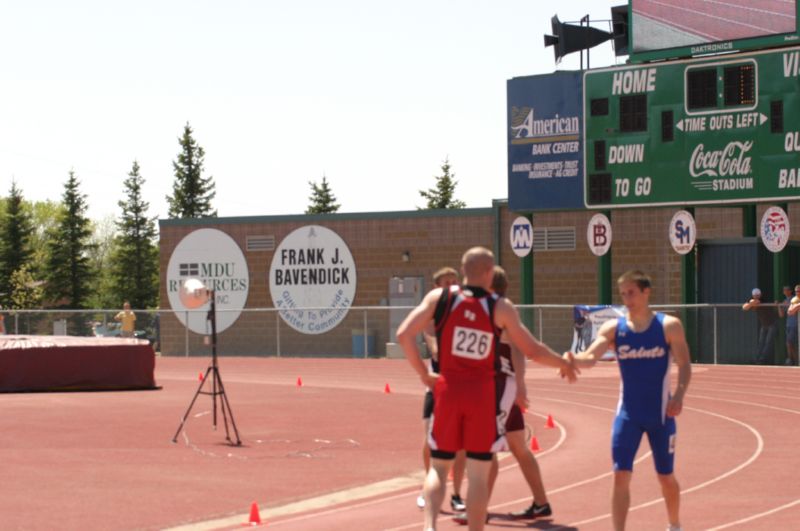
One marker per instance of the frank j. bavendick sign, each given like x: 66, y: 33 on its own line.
x: 312, y: 279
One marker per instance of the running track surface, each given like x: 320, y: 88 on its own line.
x: 718, y: 20
x: 339, y: 452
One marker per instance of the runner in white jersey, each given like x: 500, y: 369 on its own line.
x: 646, y: 343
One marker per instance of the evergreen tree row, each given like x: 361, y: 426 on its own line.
x: 441, y: 196
x: 52, y: 255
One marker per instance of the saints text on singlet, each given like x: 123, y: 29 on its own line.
x: 644, y: 361
x: 466, y: 334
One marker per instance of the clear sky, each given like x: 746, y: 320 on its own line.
x: 372, y: 94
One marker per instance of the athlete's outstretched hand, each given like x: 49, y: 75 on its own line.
x: 570, y: 371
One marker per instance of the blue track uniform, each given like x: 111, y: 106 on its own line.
x: 644, y: 360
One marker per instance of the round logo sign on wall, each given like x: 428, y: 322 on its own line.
x: 775, y: 229
x: 682, y: 232
x: 213, y: 258
x: 521, y: 236
x: 598, y: 234
x: 312, y: 279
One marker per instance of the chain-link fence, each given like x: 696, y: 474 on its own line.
x: 721, y: 333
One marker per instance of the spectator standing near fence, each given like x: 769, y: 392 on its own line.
x: 127, y: 320
x: 767, y: 327
x: 791, y: 327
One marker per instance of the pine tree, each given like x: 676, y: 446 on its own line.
x: 45, y: 215
x: 104, y: 233
x: 191, y: 192
x: 322, y: 199
x: 134, y: 260
x: 442, y: 196
x: 26, y: 291
x: 16, y: 229
x: 67, y: 269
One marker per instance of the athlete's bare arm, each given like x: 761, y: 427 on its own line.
x: 518, y: 360
x: 506, y: 318
x: 676, y: 338
x: 602, y: 344
x: 429, y: 336
x: 752, y: 303
x: 414, y: 324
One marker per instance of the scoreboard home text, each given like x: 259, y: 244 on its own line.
x: 722, y: 129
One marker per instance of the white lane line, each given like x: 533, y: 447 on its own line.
x: 392, y: 485
x: 554, y: 491
x: 335, y: 510
x: 704, y: 397
x: 334, y: 499
x: 759, y: 449
x: 755, y: 516
x: 338, y: 498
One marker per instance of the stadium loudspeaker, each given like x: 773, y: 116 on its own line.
x: 620, y: 29
x: 568, y: 38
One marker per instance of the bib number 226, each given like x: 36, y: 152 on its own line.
x: 471, y: 343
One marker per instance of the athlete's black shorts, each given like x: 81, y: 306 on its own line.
x: 427, y: 406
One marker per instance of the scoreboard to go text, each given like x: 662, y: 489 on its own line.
x: 722, y: 129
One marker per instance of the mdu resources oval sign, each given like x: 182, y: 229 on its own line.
x: 213, y: 258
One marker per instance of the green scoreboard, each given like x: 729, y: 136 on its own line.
x: 721, y: 129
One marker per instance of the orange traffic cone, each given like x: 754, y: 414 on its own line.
x: 299, y: 382
x: 387, y: 389
x: 549, y: 423
x: 534, y: 444
x: 255, y: 517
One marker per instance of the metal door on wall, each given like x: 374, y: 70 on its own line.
x: 406, y: 291
x: 728, y: 270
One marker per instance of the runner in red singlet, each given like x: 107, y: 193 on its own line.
x: 469, y: 321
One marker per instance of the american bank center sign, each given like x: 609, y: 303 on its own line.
x: 312, y: 279
x: 545, y: 148
x: 215, y: 259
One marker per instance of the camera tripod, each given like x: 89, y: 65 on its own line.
x: 217, y: 388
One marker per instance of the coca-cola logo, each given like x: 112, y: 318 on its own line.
x: 729, y: 160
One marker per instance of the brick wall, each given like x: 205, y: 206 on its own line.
x: 436, y: 239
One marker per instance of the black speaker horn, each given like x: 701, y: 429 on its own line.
x: 568, y: 38
x: 619, y: 28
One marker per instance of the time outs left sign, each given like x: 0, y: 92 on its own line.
x: 212, y: 257
x: 312, y: 279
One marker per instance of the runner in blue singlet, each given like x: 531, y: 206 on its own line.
x: 645, y: 343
